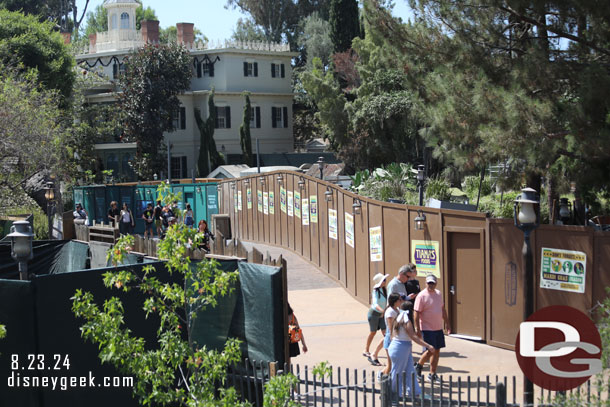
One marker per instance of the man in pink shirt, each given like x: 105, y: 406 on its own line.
x: 430, y: 316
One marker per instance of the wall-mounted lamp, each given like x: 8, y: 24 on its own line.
x: 356, y: 207
x: 233, y: 185
x: 262, y: 179
x: 301, y: 183
x: 420, y: 220
x: 219, y: 187
x: 328, y: 195
x: 199, y: 189
x: 247, y: 181
x: 280, y: 179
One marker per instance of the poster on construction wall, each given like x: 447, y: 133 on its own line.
x: 563, y: 270
x: 332, y: 224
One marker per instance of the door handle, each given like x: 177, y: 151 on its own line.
x: 452, y: 290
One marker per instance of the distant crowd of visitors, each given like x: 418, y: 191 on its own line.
x: 157, y: 220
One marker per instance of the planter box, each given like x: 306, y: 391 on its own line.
x: 435, y: 203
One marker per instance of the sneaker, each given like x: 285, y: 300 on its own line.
x: 433, y: 377
x: 418, y: 369
x: 378, y: 376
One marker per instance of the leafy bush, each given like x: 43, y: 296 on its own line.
x: 471, y: 187
x: 393, y: 181
x: 438, y: 188
x: 41, y: 221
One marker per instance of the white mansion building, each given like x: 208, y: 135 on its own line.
x: 230, y: 68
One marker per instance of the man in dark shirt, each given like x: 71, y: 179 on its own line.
x: 113, y: 213
x: 148, y: 217
x: 158, y: 214
x: 412, y: 284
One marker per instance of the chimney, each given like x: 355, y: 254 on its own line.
x: 150, y: 31
x: 185, y: 34
x: 66, y: 36
x: 92, y: 42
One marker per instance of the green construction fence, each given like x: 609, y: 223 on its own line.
x: 96, y: 199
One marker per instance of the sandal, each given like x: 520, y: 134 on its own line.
x: 366, y: 354
x: 375, y: 362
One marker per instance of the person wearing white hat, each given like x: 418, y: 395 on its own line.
x: 430, y: 318
x: 379, y: 298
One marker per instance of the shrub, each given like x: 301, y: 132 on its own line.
x: 438, y: 188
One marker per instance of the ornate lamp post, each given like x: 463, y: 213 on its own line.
x: 50, y: 196
x: 21, y: 246
x: 527, y: 218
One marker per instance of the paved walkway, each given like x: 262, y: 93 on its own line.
x: 335, y: 328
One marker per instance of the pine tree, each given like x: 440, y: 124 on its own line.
x: 244, y: 131
x: 344, y: 22
x: 209, y: 158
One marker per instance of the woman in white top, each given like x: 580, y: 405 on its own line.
x: 126, y: 223
x: 395, y: 300
x: 400, y: 352
x: 375, y: 317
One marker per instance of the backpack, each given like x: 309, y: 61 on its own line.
x: 294, y: 331
x: 188, y: 219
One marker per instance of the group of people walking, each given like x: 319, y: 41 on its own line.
x: 405, y: 314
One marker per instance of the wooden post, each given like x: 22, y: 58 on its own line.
x: 272, y: 369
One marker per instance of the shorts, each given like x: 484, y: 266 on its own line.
x: 434, y: 338
x: 376, y: 321
x: 387, y: 340
x: 158, y: 223
x: 149, y: 226
x: 294, y: 349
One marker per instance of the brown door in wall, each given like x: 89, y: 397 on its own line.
x: 466, y: 297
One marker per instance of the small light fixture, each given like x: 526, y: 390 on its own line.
x: 356, y: 207
x: 247, y: 181
x: 21, y: 246
x: 301, y: 183
x: 420, y: 220
x: 420, y: 173
x: 233, y: 185
x: 218, y: 187
x: 280, y: 179
x: 262, y: 180
x: 524, y: 211
x: 155, y: 177
x: 565, y: 210
x: 328, y: 195
x: 49, y: 193
x: 199, y: 189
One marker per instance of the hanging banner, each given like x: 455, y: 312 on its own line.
x: 563, y: 270
x: 272, y: 203
x: 313, y: 208
x: 290, y: 204
x: 249, y: 198
x: 425, y: 255
x: 235, y: 202
x: 349, y: 229
x: 265, y: 203
x: 282, y: 199
x: 375, y: 243
x: 259, y: 200
x: 332, y: 224
x: 305, y: 211
x: 239, y: 198
x: 297, y: 204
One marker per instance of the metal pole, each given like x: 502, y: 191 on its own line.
x: 528, y: 307
x: 23, y: 270
x: 50, y: 220
x: 169, y: 163
x: 421, y: 193
x: 258, y: 157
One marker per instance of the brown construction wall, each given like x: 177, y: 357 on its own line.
x: 479, y: 259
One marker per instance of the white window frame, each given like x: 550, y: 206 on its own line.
x: 253, y: 117
x: 279, y: 119
x: 125, y: 20
x: 223, y: 117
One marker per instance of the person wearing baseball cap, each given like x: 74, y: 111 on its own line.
x: 379, y: 299
x: 430, y: 318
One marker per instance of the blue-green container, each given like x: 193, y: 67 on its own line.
x: 96, y: 199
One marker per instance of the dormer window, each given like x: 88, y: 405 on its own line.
x: 124, y: 21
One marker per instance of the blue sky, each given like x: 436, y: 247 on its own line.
x: 209, y: 16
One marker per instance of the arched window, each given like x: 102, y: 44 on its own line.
x: 124, y: 20
x: 113, y: 22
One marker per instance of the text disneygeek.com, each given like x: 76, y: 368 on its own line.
x: 17, y: 380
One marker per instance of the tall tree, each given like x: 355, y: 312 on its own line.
x: 247, y: 30
x: 29, y: 44
x: 502, y: 82
x: 245, y: 140
x: 316, y: 39
x: 63, y: 13
x: 154, y: 77
x: 344, y: 23
x: 209, y: 157
x: 275, y: 17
